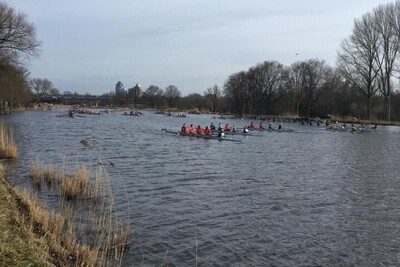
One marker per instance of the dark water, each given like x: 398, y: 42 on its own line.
x: 311, y: 197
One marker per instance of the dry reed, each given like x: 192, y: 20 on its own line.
x: 75, y: 185
x: 8, y: 148
x: 103, y: 234
x: 58, y: 231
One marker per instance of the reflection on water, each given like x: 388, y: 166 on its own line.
x: 309, y: 197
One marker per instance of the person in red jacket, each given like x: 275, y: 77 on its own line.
x: 252, y: 125
x: 183, y: 128
x: 207, y: 131
x: 227, y: 128
x: 199, y: 130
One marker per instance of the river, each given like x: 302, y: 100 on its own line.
x: 308, y: 197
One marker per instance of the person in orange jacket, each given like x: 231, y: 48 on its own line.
x: 191, y: 129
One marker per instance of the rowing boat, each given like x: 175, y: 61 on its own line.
x: 282, y: 130
x: 199, y: 135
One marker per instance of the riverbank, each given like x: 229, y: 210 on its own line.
x: 19, y: 246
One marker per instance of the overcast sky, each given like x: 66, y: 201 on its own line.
x: 89, y: 45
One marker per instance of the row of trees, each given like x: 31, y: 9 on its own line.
x: 362, y: 83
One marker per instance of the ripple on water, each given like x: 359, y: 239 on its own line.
x: 307, y: 198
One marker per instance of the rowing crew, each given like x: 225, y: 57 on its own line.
x: 198, y: 130
x: 261, y: 127
x: 226, y: 128
x: 206, y: 131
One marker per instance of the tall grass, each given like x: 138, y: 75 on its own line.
x: 59, y: 232
x: 90, y: 235
x: 8, y: 148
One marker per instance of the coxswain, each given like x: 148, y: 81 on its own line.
x: 226, y: 128
x: 199, y: 130
x: 245, y: 129
x: 191, y: 129
x: 207, y: 131
x: 183, y: 128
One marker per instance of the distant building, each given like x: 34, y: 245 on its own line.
x: 119, y: 88
x: 135, y: 92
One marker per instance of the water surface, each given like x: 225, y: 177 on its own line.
x: 310, y: 197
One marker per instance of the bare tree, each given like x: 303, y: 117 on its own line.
x: 17, y: 36
x: 235, y: 88
x: 213, y: 94
x: 314, y: 78
x: 54, y: 91
x: 385, y: 17
x: 41, y: 86
x: 255, y: 80
x: 295, y: 82
x: 13, y: 84
x: 172, y: 94
x: 153, y: 95
x: 357, y: 59
x: 271, y: 82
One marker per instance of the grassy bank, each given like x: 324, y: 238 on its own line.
x: 19, y: 246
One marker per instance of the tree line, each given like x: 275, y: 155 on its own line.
x: 364, y: 82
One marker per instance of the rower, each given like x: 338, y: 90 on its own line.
x: 270, y: 126
x: 226, y: 128
x: 261, y: 126
x: 212, y: 126
x: 183, y: 128
x: 191, y: 129
x: 207, y: 131
x: 199, y: 130
x: 234, y: 128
